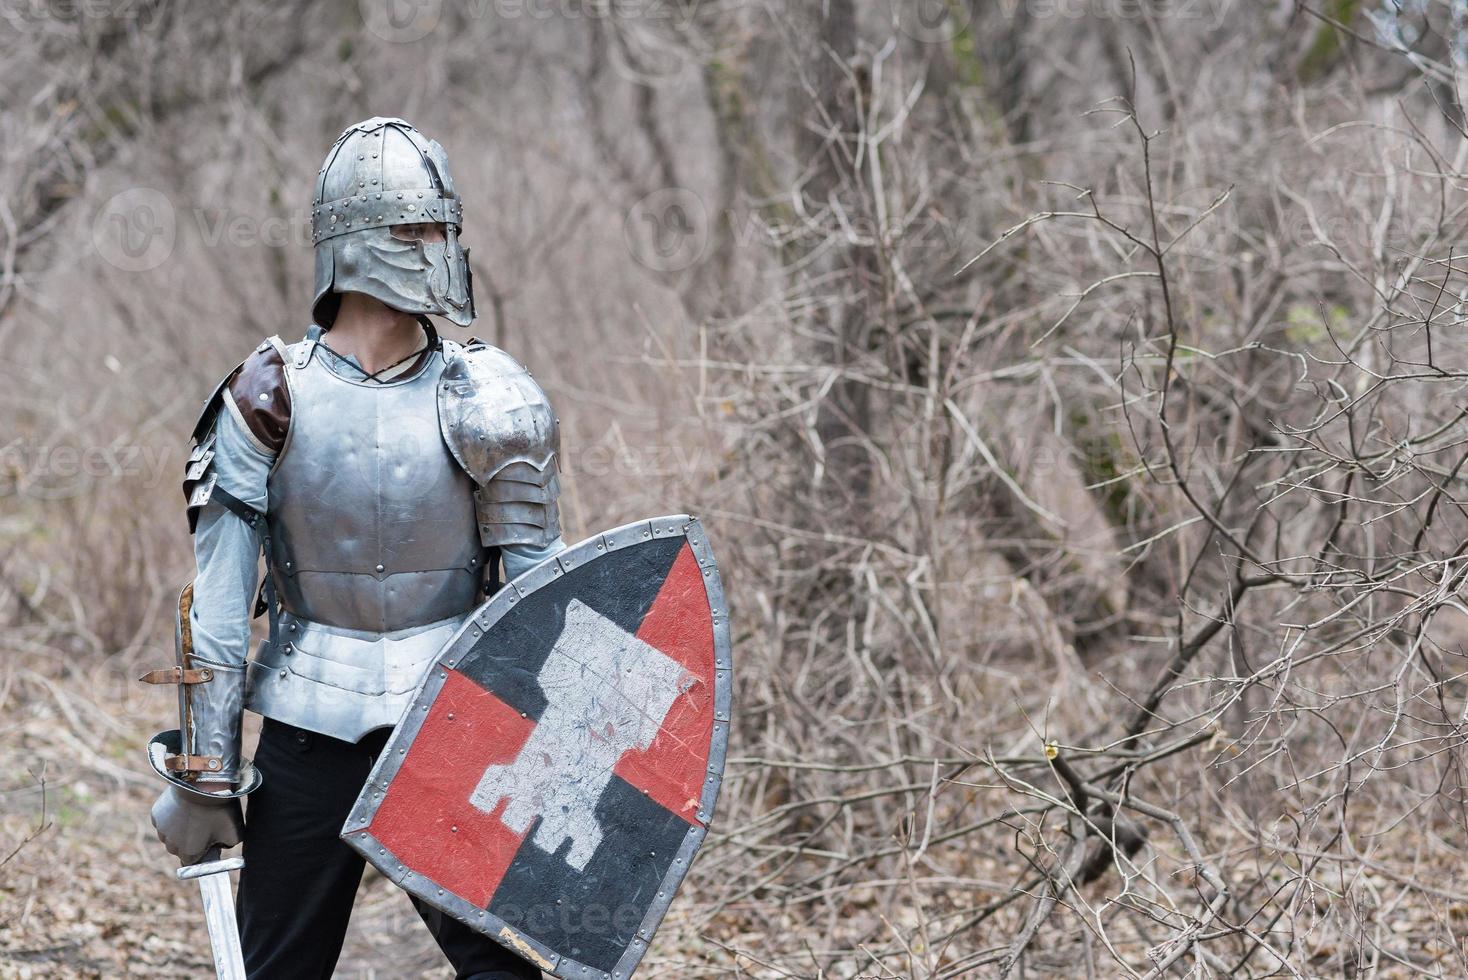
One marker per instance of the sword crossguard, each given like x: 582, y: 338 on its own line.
x: 211, y: 866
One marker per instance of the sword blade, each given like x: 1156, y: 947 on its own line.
x: 224, y: 934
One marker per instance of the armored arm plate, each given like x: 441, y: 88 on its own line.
x: 499, y: 425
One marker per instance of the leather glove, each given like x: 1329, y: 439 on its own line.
x: 189, y: 824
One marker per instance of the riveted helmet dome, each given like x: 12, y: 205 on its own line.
x: 382, y: 172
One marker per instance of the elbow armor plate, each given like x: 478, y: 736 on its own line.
x: 499, y: 425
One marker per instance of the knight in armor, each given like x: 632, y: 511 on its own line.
x: 392, y: 479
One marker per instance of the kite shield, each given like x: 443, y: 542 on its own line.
x: 557, y: 771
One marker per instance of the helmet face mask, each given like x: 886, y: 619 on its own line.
x: 379, y: 174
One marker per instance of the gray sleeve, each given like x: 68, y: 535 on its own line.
x: 227, y: 551
x: 224, y: 461
x: 519, y: 558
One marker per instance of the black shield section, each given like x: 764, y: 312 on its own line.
x: 601, y: 906
x: 621, y: 586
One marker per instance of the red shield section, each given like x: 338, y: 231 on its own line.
x: 672, y: 770
x: 425, y: 818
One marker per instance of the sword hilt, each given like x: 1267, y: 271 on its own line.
x: 224, y: 938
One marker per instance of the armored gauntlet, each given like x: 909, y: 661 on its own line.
x: 190, y: 823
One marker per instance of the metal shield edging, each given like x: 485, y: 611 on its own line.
x: 354, y: 831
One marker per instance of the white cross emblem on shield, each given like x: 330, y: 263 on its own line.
x: 607, y: 693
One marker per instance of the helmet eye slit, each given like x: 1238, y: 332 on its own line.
x: 423, y: 232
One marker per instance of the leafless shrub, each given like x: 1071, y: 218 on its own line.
x: 1074, y: 394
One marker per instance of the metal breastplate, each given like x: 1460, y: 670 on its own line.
x: 372, y: 521
x: 374, y: 550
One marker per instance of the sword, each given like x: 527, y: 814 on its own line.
x: 224, y: 934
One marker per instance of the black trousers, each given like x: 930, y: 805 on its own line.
x: 300, y: 880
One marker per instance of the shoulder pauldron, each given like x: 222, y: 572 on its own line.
x: 256, y: 393
x: 499, y: 425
